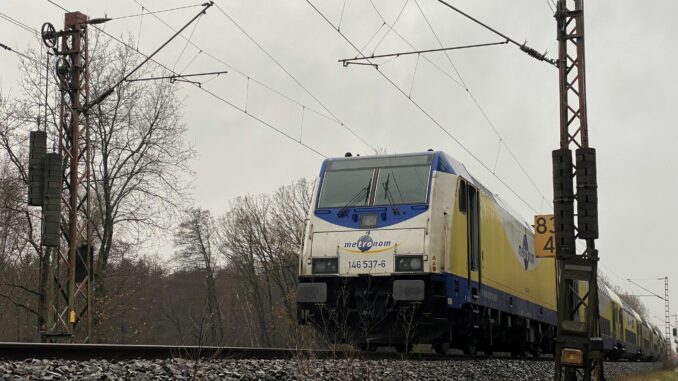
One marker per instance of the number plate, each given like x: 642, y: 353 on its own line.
x: 367, y: 264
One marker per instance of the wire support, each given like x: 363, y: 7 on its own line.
x: 142, y: 14
x: 178, y: 77
x: 223, y: 100
x: 348, y: 61
x: 427, y: 114
x: 110, y: 90
x: 528, y: 50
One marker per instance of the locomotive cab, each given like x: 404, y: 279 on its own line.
x: 368, y: 243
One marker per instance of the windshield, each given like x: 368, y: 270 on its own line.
x: 400, y: 180
x: 402, y: 185
x: 345, y: 188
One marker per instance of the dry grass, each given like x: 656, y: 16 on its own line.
x: 657, y: 375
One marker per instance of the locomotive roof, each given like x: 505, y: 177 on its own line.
x: 447, y: 163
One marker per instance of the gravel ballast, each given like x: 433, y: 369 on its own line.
x: 181, y: 369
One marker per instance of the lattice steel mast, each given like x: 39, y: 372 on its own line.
x: 69, y: 285
x: 578, y: 345
x: 60, y: 183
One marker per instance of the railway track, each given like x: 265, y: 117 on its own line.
x: 80, y: 352
x: 36, y: 361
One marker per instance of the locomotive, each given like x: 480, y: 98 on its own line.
x: 411, y: 249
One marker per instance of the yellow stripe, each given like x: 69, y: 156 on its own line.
x: 369, y: 251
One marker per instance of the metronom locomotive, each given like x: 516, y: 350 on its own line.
x: 411, y: 249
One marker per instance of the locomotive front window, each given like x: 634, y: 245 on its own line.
x: 377, y: 181
x: 345, y: 188
x: 402, y: 185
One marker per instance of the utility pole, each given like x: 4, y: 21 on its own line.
x: 578, y: 354
x: 69, y: 279
x: 667, y: 317
x: 667, y: 314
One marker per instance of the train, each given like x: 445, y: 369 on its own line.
x: 411, y: 249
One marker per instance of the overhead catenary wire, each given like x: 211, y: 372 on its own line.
x: 270, y: 56
x: 148, y: 58
x: 8, y: 48
x: 390, y: 26
x: 19, y: 24
x: 480, y: 108
x: 428, y: 115
x: 330, y: 117
x: 341, y: 18
x: 408, y: 43
x: 645, y: 289
x: 186, y: 44
x: 142, y: 14
x: 462, y: 84
x: 373, y: 36
x: 347, y: 61
x: 141, y: 21
x: 551, y: 7
x: 223, y: 100
x: 177, y: 76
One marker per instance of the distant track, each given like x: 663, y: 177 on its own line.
x: 79, y: 352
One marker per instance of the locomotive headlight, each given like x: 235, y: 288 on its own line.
x: 409, y: 263
x: 325, y: 265
x: 572, y: 357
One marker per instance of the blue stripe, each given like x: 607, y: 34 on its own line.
x: 459, y: 292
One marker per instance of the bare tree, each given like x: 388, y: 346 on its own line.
x: 138, y: 152
x: 194, y: 240
x: 238, y: 245
x: 19, y: 239
x: 261, y: 236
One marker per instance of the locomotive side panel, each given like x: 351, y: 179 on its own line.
x: 510, y: 279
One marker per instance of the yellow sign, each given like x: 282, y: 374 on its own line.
x: 544, y: 236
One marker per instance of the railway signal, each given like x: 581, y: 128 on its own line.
x: 62, y: 184
x: 578, y: 344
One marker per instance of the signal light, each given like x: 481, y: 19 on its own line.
x: 563, y: 202
x: 325, y: 266
x: 587, y: 193
x: 572, y: 357
x: 36, y: 156
x: 409, y: 263
x: 51, y: 207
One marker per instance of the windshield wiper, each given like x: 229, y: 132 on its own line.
x: 355, y: 198
x: 388, y: 195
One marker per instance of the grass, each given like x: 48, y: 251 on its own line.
x: 655, y: 375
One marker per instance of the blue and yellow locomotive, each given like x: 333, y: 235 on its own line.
x: 411, y: 249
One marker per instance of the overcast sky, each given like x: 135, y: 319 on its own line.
x: 632, y: 97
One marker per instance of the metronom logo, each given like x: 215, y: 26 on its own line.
x: 365, y: 243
